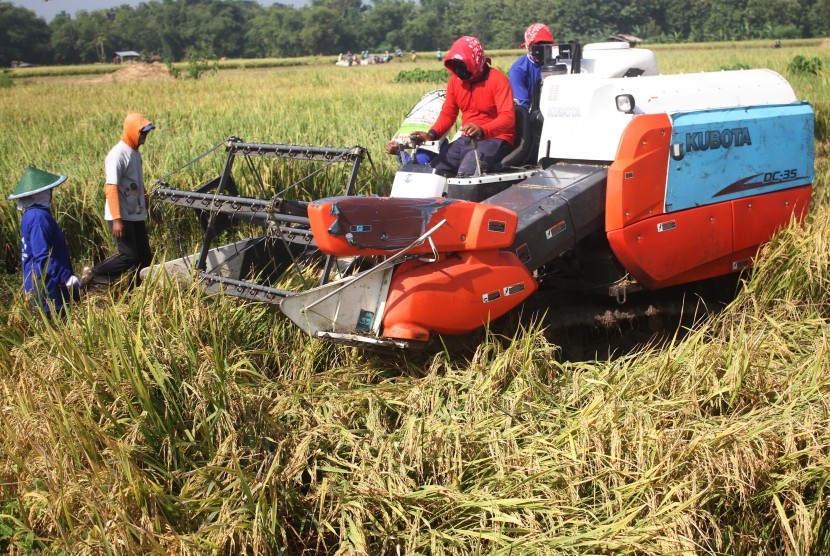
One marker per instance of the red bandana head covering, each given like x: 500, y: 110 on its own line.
x: 536, y: 33
x: 470, y: 51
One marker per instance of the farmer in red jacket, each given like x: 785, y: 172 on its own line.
x: 485, y: 99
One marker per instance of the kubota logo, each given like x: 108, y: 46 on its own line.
x: 564, y: 112
x: 710, y: 140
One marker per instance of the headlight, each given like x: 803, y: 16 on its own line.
x: 625, y: 103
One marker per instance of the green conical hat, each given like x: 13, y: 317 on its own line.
x: 35, y: 181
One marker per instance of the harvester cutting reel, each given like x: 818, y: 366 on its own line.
x: 281, y: 239
x: 281, y: 257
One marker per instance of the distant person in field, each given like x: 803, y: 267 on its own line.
x: 483, y: 96
x: 48, y: 278
x: 526, y: 72
x: 126, y: 205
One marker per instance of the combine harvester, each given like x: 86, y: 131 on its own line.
x: 622, y: 181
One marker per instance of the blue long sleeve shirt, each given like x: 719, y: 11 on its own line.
x: 523, y: 75
x: 45, y: 259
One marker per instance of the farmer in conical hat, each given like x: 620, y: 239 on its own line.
x: 48, y: 278
x: 126, y: 204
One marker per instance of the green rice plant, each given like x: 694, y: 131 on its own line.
x: 5, y: 79
x: 737, y: 66
x: 803, y: 65
x: 200, y: 63
x: 419, y: 75
x: 174, y: 71
x: 821, y: 121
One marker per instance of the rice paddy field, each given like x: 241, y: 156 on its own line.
x: 159, y: 421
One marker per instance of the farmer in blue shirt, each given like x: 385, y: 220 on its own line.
x: 48, y: 278
x: 526, y: 71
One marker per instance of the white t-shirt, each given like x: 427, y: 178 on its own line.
x: 123, y: 167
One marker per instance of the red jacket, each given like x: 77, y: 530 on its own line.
x: 487, y: 103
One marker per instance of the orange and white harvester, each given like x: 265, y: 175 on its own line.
x: 622, y: 180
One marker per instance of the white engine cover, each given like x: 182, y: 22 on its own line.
x: 581, y: 120
x: 417, y: 185
x: 614, y: 59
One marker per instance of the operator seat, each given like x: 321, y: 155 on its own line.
x: 523, y: 138
x: 473, y: 189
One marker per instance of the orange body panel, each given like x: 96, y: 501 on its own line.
x: 344, y: 226
x: 757, y: 218
x: 637, y: 178
x: 454, y: 295
x: 704, y: 242
x: 676, y: 248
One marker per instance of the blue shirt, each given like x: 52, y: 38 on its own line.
x: 422, y: 156
x: 45, y: 259
x: 523, y: 75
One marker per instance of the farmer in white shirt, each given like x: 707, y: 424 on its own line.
x: 126, y: 203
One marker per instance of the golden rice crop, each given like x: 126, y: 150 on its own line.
x: 159, y: 421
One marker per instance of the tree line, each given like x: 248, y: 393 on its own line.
x: 176, y: 29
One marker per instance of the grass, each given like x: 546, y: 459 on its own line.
x: 225, y: 63
x: 161, y: 422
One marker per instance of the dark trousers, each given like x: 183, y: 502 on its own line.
x: 460, y: 158
x: 134, y: 251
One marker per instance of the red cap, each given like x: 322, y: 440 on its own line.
x: 536, y: 33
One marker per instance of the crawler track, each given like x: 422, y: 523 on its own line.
x: 587, y: 327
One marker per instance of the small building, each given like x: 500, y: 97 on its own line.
x: 126, y: 56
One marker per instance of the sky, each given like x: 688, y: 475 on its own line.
x: 48, y: 9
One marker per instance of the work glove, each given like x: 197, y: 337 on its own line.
x: 73, y: 282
